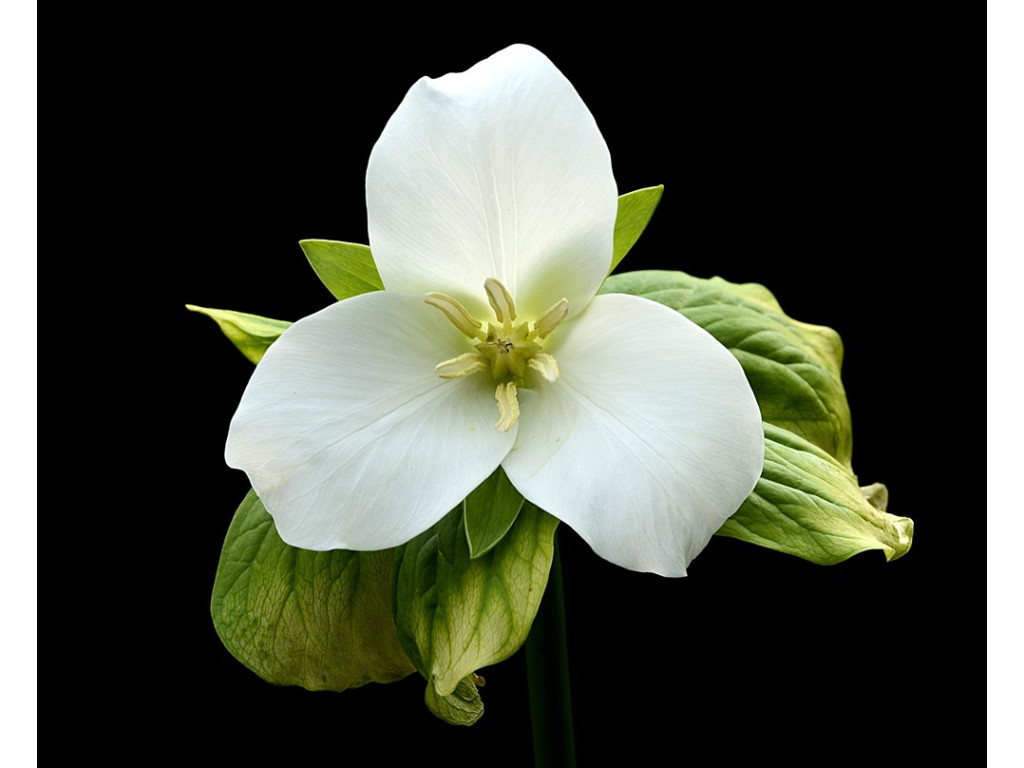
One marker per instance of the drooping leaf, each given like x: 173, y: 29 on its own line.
x: 635, y: 211
x: 347, y: 269
x: 321, y: 620
x: 252, y: 334
x: 792, y: 367
x: 456, y: 614
x: 806, y: 504
x: 489, y: 512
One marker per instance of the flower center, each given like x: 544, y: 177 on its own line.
x: 512, y: 352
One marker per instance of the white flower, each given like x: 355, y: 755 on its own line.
x: 491, y: 206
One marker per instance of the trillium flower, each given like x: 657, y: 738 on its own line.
x: 491, y: 206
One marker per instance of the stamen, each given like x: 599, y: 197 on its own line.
x: 509, y: 350
x: 456, y: 313
x: 508, y: 406
x: 460, y: 366
x: 552, y: 318
x: 545, y: 365
x: 501, y: 301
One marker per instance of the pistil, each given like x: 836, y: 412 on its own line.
x: 510, y: 351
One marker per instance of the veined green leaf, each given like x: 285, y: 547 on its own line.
x: 347, y: 269
x: 634, y: 213
x: 489, y: 512
x: 792, y: 367
x: 456, y: 614
x: 321, y: 620
x: 807, y: 504
x: 252, y: 334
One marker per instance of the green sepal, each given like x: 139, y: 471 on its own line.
x: 320, y: 620
x: 489, y: 512
x: 347, y: 269
x: 792, y: 367
x: 252, y: 334
x: 456, y: 614
x: 807, y: 504
x: 635, y: 211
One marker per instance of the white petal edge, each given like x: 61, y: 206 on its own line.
x: 649, y: 440
x: 349, y: 437
x: 499, y: 171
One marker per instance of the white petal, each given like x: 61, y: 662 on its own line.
x: 348, y: 435
x: 500, y: 172
x: 647, y: 442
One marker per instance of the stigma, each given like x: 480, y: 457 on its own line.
x: 509, y: 347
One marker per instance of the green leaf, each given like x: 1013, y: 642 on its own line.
x: 489, y: 512
x: 463, y: 706
x: 347, y: 269
x: 792, y: 367
x: 321, y: 620
x: 252, y: 334
x: 807, y: 504
x: 635, y: 211
x: 455, y: 614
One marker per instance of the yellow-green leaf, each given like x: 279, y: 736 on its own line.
x: 807, y: 504
x: 456, y: 614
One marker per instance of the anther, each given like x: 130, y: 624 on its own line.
x: 551, y: 318
x: 456, y: 313
x: 501, y: 301
x: 545, y: 365
x: 508, y: 406
x: 460, y: 366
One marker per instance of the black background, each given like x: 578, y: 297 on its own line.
x: 804, y: 152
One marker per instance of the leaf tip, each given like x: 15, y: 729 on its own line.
x: 904, y: 529
x: 877, y: 495
x: 463, y: 706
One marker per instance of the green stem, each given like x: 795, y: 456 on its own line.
x: 547, y: 671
